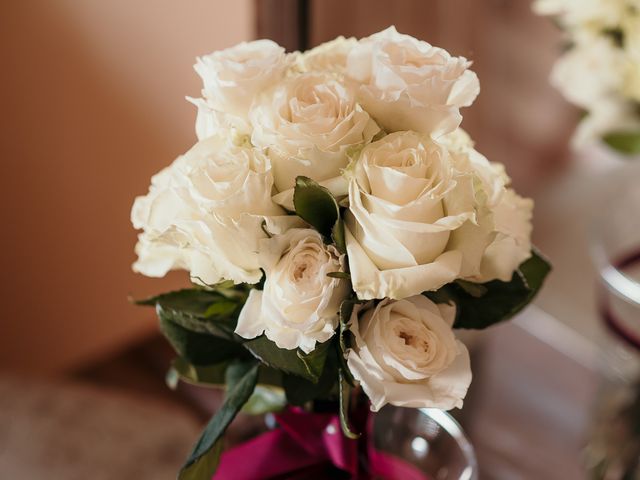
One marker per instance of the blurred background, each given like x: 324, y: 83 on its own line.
x: 92, y: 97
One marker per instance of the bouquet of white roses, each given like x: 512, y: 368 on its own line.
x: 338, y: 228
x: 600, y: 69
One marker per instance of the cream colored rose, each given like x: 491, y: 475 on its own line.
x: 406, y: 84
x: 232, y: 79
x: 299, y: 304
x: 329, y: 57
x: 507, y: 212
x: 404, y: 204
x: 423, y: 214
x: 307, y: 126
x: 205, y: 212
x: 405, y: 353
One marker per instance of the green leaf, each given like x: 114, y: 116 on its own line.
x: 203, y: 311
x: 345, y: 391
x: 341, y: 275
x: 190, y: 300
x: 315, y: 205
x: 207, y: 375
x: 346, y: 309
x: 315, y: 361
x: 198, y: 348
x: 219, y: 327
x: 476, y: 290
x: 265, y: 399
x: 290, y: 361
x: 221, y: 308
x: 338, y: 237
x: 501, y: 301
x: 203, y: 461
x: 300, y: 391
x: 624, y: 142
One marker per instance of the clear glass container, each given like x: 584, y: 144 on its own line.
x: 613, y: 452
x: 419, y: 443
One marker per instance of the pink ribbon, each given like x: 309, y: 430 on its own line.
x: 308, y: 443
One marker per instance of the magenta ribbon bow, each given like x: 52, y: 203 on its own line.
x: 309, y: 442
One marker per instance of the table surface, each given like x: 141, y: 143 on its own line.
x: 528, y: 410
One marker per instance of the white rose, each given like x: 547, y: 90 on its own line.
x: 307, y: 125
x: 232, y: 79
x: 407, y: 84
x: 205, y: 212
x: 421, y: 216
x: 299, y: 305
x: 329, y: 57
x: 406, y: 354
x: 404, y: 205
x: 509, y: 213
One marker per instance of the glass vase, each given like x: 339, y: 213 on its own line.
x: 613, y: 452
x: 427, y: 439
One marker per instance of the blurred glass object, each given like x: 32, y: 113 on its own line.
x: 426, y: 438
x: 613, y: 452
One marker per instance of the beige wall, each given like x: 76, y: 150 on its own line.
x: 92, y: 95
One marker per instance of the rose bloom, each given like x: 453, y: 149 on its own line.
x: 510, y: 214
x: 405, y: 353
x: 299, y: 305
x: 421, y: 216
x: 328, y: 57
x: 204, y: 214
x: 232, y: 79
x: 307, y: 126
x: 407, y: 84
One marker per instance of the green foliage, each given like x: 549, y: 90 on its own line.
x: 308, y: 366
x: 203, y: 461
x: 197, y: 348
x: 200, y: 323
x: 203, y: 311
x: 338, y: 237
x: 624, y: 142
x: 300, y: 390
x: 480, y: 306
x: 341, y: 275
x: 316, y: 206
x: 346, y: 309
x: 265, y: 399
x: 345, y: 391
x: 208, y: 375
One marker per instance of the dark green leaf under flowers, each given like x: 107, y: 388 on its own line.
x: 203, y: 461
x: 300, y: 390
x: 496, y: 301
x: 308, y: 366
x: 345, y: 391
x: 196, y: 347
x: 316, y: 206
